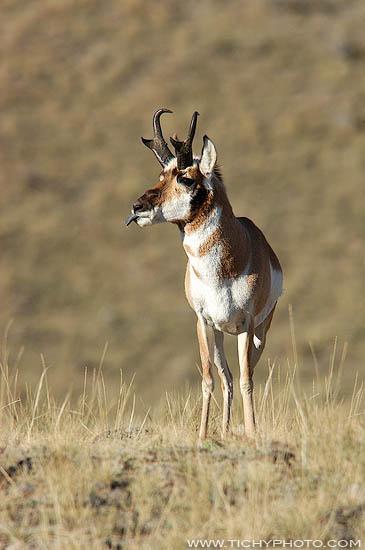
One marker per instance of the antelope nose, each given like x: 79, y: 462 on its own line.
x: 137, y: 206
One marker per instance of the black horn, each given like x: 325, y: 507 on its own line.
x: 158, y: 145
x: 184, y: 149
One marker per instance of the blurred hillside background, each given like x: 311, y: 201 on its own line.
x: 280, y: 86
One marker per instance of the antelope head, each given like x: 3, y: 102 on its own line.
x: 184, y: 183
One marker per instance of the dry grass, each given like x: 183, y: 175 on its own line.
x: 112, y: 475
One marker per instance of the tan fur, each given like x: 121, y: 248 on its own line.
x: 230, y: 235
x: 241, y: 244
x: 261, y: 257
x: 207, y: 379
x: 233, y: 291
x: 211, y: 241
x: 187, y: 284
x: 167, y: 188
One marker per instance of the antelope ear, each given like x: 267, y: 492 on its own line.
x: 208, y: 157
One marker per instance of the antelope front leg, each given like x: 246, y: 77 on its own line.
x: 205, y: 337
x: 246, y: 381
x: 226, y: 379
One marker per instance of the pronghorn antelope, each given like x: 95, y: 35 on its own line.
x: 233, y: 277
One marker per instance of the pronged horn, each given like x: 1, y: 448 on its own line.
x: 184, y: 149
x: 158, y: 145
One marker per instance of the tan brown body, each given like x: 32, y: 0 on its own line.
x: 233, y: 277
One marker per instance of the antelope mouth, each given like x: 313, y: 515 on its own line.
x: 131, y: 218
x: 141, y: 218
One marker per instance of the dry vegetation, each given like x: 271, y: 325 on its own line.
x: 95, y: 475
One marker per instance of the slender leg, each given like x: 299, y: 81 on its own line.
x: 226, y: 379
x: 246, y: 381
x: 206, y: 343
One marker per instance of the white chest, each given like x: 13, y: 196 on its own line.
x: 224, y: 302
x: 223, y: 305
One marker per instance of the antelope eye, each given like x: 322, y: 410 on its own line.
x: 185, y: 181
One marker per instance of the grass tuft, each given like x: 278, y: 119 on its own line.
x: 103, y: 473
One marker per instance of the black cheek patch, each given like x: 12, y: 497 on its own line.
x: 188, y: 182
x: 198, y: 199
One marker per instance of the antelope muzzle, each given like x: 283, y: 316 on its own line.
x: 143, y: 206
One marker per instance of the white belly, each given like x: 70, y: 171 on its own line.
x: 227, y: 305
x: 224, y: 305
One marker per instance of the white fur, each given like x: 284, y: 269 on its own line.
x: 149, y: 217
x: 208, y: 157
x: 223, y: 305
x: 257, y: 342
x: 142, y: 221
x: 170, y: 211
x: 176, y: 209
x: 227, y: 304
x: 195, y: 239
x: 170, y: 165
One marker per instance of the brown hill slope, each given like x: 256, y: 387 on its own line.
x: 280, y: 87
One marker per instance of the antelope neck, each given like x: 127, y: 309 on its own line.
x: 219, y: 228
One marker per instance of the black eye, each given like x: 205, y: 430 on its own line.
x: 185, y: 181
